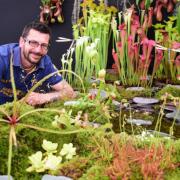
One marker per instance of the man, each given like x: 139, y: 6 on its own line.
x: 30, y: 64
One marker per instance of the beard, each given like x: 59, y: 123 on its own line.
x: 32, y: 57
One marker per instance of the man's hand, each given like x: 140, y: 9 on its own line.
x: 62, y: 90
x: 37, y: 99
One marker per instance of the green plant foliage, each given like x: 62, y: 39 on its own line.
x: 92, y: 34
x: 75, y: 168
x: 174, y: 91
x: 28, y: 141
x: 96, y: 172
x: 50, y: 160
x: 178, y: 20
x: 132, y: 151
x: 45, y: 2
x: 129, y: 94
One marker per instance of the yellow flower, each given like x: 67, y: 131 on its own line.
x: 102, y: 74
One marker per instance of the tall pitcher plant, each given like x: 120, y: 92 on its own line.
x: 95, y: 24
x: 131, y: 48
x: 87, y: 58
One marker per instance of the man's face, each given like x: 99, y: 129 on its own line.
x: 34, y: 46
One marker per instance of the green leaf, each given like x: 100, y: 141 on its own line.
x: 36, y: 162
x: 49, y: 146
x: 147, y: 4
x: 52, y: 162
x: 137, y: 2
x: 158, y: 26
x: 68, y: 150
x: 178, y: 20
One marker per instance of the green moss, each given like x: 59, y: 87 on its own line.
x: 74, y: 168
x: 28, y: 140
x: 94, y: 149
x: 173, y: 90
x: 129, y: 94
x: 111, y: 75
x: 172, y: 174
x: 96, y: 172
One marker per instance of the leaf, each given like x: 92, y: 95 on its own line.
x: 172, y: 18
x: 52, y: 162
x: 49, y: 146
x: 137, y: 2
x: 158, y: 26
x: 178, y: 20
x: 37, y: 163
x: 65, y: 119
x: 147, y: 4
x: 68, y: 150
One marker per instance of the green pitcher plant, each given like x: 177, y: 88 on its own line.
x: 95, y: 24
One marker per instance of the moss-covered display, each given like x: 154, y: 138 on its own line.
x: 101, y: 153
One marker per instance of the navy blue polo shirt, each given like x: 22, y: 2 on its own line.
x: 23, y: 81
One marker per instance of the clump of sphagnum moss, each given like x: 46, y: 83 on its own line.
x: 129, y: 94
x: 74, y: 168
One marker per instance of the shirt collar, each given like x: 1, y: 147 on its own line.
x: 17, y: 59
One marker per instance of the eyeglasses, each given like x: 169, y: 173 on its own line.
x: 35, y: 44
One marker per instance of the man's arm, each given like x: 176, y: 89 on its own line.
x: 62, y: 90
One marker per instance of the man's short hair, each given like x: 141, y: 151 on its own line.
x: 38, y: 26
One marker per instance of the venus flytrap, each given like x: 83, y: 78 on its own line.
x: 63, y: 120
